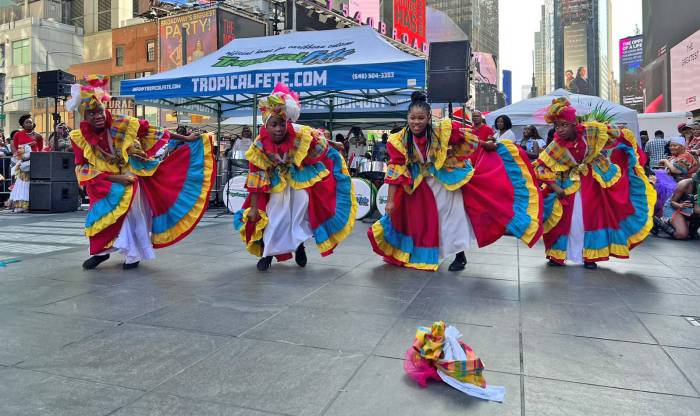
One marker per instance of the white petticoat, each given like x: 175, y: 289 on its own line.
x: 456, y: 232
x: 134, y: 239
x: 574, y: 246
x: 20, y: 190
x: 289, y: 226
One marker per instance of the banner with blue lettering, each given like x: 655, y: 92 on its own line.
x: 332, y: 60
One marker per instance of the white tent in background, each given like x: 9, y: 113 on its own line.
x: 529, y: 111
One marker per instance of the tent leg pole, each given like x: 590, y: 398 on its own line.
x: 330, y: 124
x: 219, y: 178
x: 255, y: 115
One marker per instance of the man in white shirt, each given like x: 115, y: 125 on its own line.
x: 242, y: 143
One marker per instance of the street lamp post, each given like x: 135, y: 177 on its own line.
x: 46, y: 100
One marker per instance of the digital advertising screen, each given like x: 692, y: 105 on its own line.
x: 631, y: 60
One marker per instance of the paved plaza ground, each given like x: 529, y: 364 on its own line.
x: 200, y: 332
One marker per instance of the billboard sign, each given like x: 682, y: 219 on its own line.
x: 631, y: 59
x: 233, y: 26
x: 365, y: 11
x: 186, y: 38
x: 409, y: 22
x: 485, y: 68
x: 685, y: 74
x: 574, y: 20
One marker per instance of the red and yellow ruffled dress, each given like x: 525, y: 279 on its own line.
x: 304, y: 191
x: 167, y: 199
x: 452, y: 193
x: 609, y: 202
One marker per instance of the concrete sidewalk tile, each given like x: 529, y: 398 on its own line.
x: 274, y: 377
x: 381, y: 387
x: 557, y: 398
x: 360, y: 299
x: 674, y: 331
x: 568, y: 276
x: 663, y: 304
x: 472, y: 287
x: 499, y: 348
x: 385, y: 277
x: 598, y: 321
x: 168, y: 405
x: 325, y: 328
x: 636, y: 282
x: 688, y: 360
x: 38, y: 292
x: 249, y: 290
x: 28, y: 393
x: 436, y: 304
x: 546, y: 293
x: 116, y: 303
x: 223, y: 317
x: 131, y: 355
x: 602, y: 362
x: 26, y: 335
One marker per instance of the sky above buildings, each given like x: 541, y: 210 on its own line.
x: 520, y: 19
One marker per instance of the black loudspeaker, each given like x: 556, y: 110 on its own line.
x: 52, y: 90
x: 52, y: 166
x: 448, y: 72
x: 449, y: 56
x: 55, y: 83
x: 53, y: 196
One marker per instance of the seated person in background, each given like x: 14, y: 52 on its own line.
x: 682, y: 213
x: 346, y: 144
x: 532, y: 142
x: 4, y: 146
x: 680, y: 164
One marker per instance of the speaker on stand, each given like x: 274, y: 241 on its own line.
x: 53, y: 186
x: 449, y: 72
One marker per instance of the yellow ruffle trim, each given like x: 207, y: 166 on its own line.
x: 302, y: 150
x: 534, y: 208
x: 556, y: 254
x: 341, y: 235
x: 554, y: 217
x: 388, y: 249
x: 253, y: 246
x: 112, y: 217
x: 602, y: 182
x: 457, y: 185
x: 444, y: 131
x: 651, y: 202
x: 122, y: 146
x: 257, y: 157
x: 190, y: 220
x: 422, y: 266
x: 307, y: 184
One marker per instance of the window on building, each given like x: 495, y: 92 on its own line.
x: 104, y: 15
x: 116, y: 83
x: 143, y: 74
x: 119, y: 55
x: 20, y: 52
x: 21, y: 87
x: 77, y: 12
x: 151, y: 51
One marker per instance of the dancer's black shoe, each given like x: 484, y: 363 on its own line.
x: 94, y: 261
x: 552, y: 263
x: 264, y: 263
x: 459, y: 262
x: 590, y: 265
x: 300, y: 256
x: 129, y: 266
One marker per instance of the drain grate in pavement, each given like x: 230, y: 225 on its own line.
x: 693, y: 320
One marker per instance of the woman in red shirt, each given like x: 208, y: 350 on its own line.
x: 28, y: 135
x: 24, y: 142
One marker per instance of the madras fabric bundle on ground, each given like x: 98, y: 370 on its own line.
x: 439, y: 353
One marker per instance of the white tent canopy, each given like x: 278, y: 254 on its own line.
x: 526, y: 112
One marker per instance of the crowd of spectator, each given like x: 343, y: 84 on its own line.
x: 674, y: 169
